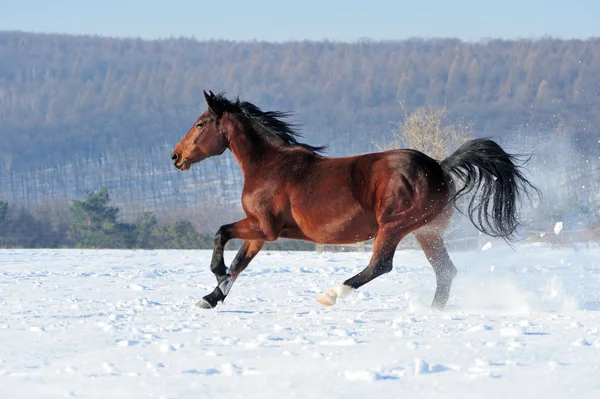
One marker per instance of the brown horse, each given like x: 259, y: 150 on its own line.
x: 292, y: 191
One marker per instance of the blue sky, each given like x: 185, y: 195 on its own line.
x: 338, y: 20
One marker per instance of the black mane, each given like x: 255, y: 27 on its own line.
x: 270, y: 121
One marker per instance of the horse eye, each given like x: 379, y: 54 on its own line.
x: 199, y: 125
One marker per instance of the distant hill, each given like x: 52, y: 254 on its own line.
x: 77, y: 111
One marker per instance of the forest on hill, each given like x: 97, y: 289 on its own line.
x: 81, y: 112
x: 78, y: 95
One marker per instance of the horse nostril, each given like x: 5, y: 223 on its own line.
x: 175, y: 156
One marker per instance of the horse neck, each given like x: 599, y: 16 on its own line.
x: 250, y: 148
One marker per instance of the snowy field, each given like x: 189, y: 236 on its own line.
x: 522, y: 323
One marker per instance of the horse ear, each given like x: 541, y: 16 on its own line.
x: 213, y: 104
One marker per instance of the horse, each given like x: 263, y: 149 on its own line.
x: 291, y: 190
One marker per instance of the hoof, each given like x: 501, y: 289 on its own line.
x: 203, y: 303
x: 325, y: 300
x: 329, y: 297
x: 438, y: 307
x: 211, y: 300
x: 439, y: 303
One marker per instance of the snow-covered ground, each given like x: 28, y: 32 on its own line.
x: 122, y: 324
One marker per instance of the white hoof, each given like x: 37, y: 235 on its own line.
x: 329, y: 297
x: 326, y: 299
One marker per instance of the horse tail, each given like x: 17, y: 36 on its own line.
x: 497, y: 183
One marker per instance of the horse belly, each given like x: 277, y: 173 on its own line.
x: 332, y: 226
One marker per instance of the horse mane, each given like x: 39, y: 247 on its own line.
x: 271, y: 122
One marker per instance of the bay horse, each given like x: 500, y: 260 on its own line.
x: 291, y: 190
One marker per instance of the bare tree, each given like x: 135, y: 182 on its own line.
x: 428, y: 130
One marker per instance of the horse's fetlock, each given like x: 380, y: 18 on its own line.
x: 388, y: 268
x: 385, y: 267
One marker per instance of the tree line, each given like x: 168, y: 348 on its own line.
x: 93, y: 222
x: 68, y: 97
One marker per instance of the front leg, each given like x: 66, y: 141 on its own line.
x: 246, y: 229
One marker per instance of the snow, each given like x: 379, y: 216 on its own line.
x: 487, y: 246
x: 558, y: 228
x: 520, y: 322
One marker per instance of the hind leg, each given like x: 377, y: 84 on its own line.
x: 381, y: 262
x: 435, y: 250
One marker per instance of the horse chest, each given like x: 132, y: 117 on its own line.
x: 261, y: 199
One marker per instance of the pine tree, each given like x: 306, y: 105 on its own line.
x: 147, y: 231
x: 94, y: 223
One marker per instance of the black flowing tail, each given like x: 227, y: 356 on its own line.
x: 496, y: 181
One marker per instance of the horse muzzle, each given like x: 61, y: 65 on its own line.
x: 179, y: 163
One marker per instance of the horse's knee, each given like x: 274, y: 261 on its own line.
x: 217, y: 239
x: 220, y: 237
